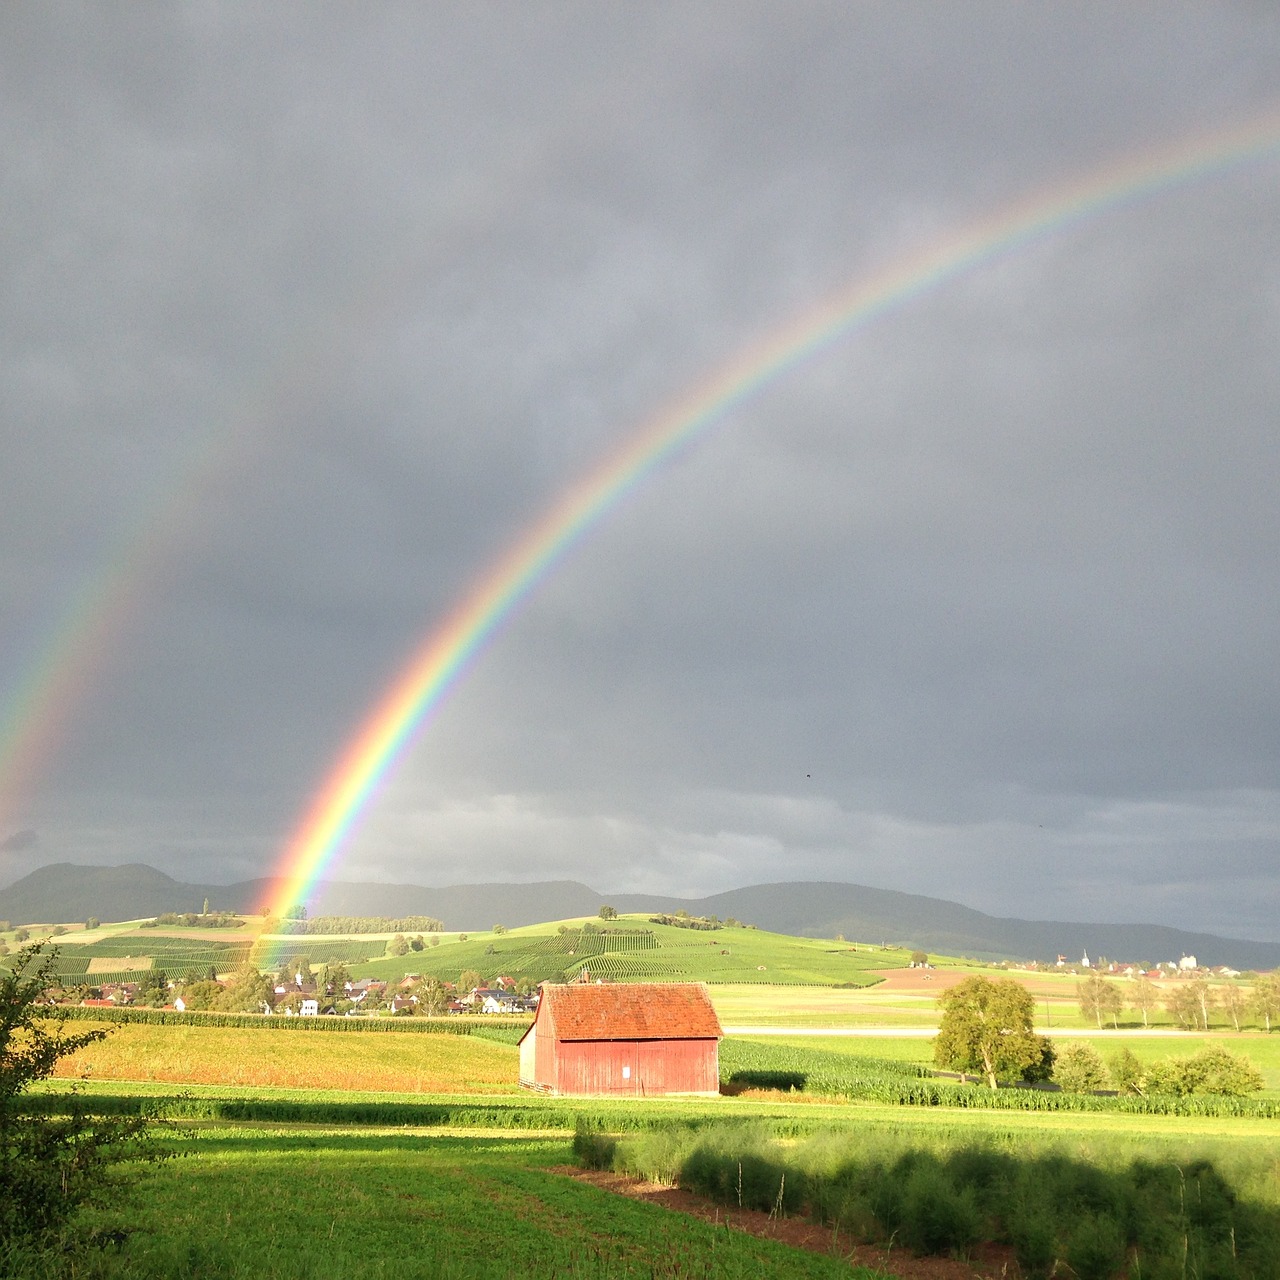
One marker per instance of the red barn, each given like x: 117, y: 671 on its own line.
x: 624, y: 1038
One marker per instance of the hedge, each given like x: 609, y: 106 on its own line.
x: 457, y: 1024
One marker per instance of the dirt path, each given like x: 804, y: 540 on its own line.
x: 990, y: 1262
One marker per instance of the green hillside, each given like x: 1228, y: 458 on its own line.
x: 627, y: 949
x: 633, y: 949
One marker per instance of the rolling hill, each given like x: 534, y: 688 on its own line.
x: 66, y: 892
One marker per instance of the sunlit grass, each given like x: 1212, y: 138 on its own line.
x: 238, y: 1057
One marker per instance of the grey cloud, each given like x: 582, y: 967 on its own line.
x: 368, y: 293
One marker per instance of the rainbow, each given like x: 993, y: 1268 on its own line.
x: 71, y: 648
x: 452, y: 648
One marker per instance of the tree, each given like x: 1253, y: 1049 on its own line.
x: 919, y: 960
x: 336, y: 977
x: 1079, y: 1069
x: 49, y: 1166
x: 200, y: 995
x: 1234, y: 1002
x: 397, y: 946
x: 246, y: 992
x: 1264, y: 999
x: 987, y: 1027
x: 1206, y: 998
x: 432, y: 997
x: 1144, y: 995
x: 499, y: 928
x: 435, y: 940
x: 469, y: 980
x: 92, y: 922
x: 608, y: 913
x: 296, y: 912
x: 1190, y: 1002
x: 1098, y: 998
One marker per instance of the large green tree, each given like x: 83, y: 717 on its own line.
x: 986, y: 1028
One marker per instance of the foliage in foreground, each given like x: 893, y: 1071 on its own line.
x: 49, y: 1165
x: 1136, y: 1218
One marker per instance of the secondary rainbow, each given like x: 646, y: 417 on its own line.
x: 451, y: 648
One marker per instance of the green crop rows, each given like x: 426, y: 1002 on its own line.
x: 748, y: 1063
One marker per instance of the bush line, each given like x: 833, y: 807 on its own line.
x: 454, y: 1025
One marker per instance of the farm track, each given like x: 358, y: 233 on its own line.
x: 991, y: 1262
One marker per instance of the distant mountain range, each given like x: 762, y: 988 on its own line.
x: 63, y: 892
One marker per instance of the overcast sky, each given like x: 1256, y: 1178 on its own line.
x: 307, y: 311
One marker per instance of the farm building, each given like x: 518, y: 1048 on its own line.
x: 623, y: 1038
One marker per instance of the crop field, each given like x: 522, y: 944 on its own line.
x: 752, y: 1004
x: 225, y: 1056
x: 1262, y: 1050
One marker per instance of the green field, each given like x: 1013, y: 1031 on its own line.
x: 294, y: 1199
x: 634, y: 949
x: 630, y: 948
x: 372, y: 1155
x: 1263, y: 1050
x: 369, y: 1203
x: 383, y: 1155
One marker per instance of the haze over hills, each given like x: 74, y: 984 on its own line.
x: 66, y: 892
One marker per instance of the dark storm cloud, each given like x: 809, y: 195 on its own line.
x: 979, y: 602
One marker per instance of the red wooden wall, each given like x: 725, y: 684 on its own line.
x: 634, y: 1067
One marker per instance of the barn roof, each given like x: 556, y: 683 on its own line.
x: 629, y: 1011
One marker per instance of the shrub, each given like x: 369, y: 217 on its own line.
x: 49, y: 1165
x: 1079, y: 1069
x: 1126, y: 1070
x: 1211, y: 1071
x: 1095, y: 1249
x: 1034, y: 1239
x: 937, y: 1216
x: 592, y: 1148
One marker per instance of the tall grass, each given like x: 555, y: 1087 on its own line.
x: 1101, y: 1215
